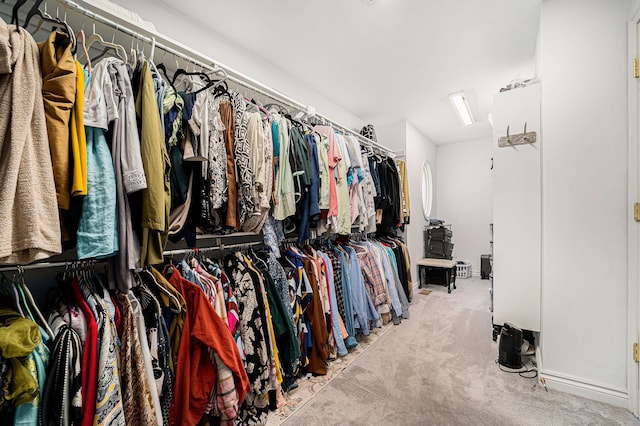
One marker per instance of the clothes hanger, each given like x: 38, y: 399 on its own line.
x: 42, y: 21
x: 45, y: 17
x: 172, y: 297
x: 181, y: 72
x: 29, y: 298
x: 221, y: 90
x: 258, y: 106
x: 97, y: 38
x: 279, y: 108
x: 151, y: 61
x: 83, y: 40
x: 14, y: 11
x: 162, y: 67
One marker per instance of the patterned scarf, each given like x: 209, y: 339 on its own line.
x: 173, y: 100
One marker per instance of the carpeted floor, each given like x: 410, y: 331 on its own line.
x: 439, y: 368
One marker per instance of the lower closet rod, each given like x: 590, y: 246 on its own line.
x: 217, y: 248
x: 44, y: 265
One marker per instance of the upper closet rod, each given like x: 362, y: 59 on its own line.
x: 218, y: 248
x: 178, y: 49
x: 45, y: 265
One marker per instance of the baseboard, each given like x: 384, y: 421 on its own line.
x: 561, y: 382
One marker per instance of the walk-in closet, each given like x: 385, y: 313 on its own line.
x: 363, y: 212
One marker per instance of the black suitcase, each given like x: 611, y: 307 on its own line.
x: 443, y: 234
x: 439, y: 249
x: 437, y: 243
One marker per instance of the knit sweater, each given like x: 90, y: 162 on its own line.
x: 29, y: 229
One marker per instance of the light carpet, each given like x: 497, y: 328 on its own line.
x: 439, y: 368
x: 309, y: 386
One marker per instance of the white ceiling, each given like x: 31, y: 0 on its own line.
x: 391, y: 60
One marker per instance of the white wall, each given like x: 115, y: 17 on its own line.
x: 392, y: 135
x: 465, y: 196
x: 172, y: 23
x: 418, y: 149
x: 584, y: 185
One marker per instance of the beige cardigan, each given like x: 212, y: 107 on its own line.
x: 29, y: 224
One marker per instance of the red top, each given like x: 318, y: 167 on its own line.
x: 89, y: 358
x: 195, y: 374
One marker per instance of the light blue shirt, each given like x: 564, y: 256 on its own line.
x: 364, y: 309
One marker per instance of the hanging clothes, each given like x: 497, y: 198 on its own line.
x: 63, y: 386
x: 369, y: 193
x: 404, y: 183
x: 284, y: 197
x: 136, y: 393
x: 129, y: 172
x: 228, y: 120
x: 19, y: 337
x: 342, y: 186
x: 217, y: 166
x: 365, y: 313
x: 390, y: 186
x: 98, y: 227
x: 156, y: 197
x: 59, y: 93
x: 315, y: 314
x: 78, y: 138
x: 109, y: 409
x: 261, y: 148
x: 30, y: 228
x: 333, y: 156
x: 195, y: 374
x: 242, y: 156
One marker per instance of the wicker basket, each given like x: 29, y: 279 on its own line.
x: 463, y: 269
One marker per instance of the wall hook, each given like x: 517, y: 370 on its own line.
x: 517, y: 139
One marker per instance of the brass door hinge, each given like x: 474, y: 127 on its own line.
x: 636, y: 68
x: 636, y: 352
x: 636, y: 212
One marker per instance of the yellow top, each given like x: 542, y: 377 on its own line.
x: 406, y: 205
x: 78, y: 139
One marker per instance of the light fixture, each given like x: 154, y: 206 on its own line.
x: 459, y: 101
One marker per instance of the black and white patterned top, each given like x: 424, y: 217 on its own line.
x: 242, y: 153
x: 217, y: 155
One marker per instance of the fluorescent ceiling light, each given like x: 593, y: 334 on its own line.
x: 460, y: 103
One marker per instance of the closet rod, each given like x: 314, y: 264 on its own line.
x: 45, y: 265
x: 216, y: 248
x: 178, y: 49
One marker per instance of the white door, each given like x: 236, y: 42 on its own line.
x: 517, y: 210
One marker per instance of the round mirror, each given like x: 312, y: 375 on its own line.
x: 427, y: 190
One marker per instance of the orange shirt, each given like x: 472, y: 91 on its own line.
x: 195, y: 374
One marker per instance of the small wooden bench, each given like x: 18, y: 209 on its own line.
x: 428, y: 267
